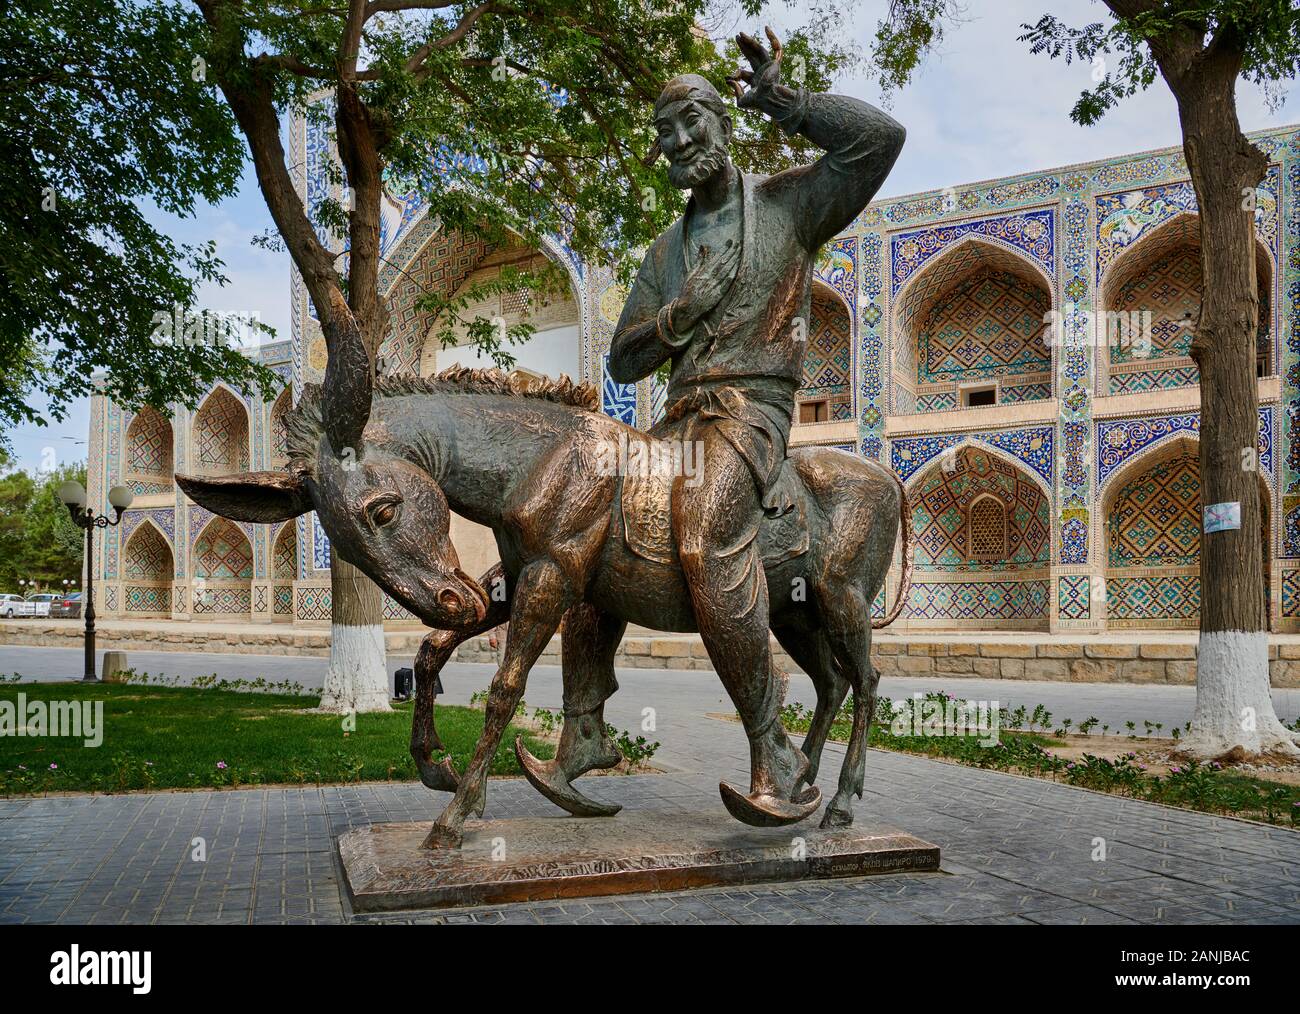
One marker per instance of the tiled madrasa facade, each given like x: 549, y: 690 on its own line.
x: 973, y: 339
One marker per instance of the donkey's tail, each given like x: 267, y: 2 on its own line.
x: 905, y: 585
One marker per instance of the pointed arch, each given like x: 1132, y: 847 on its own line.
x: 1150, y: 532
x: 220, y: 433
x: 446, y: 262
x: 149, y: 453
x: 279, y: 436
x: 975, y: 313
x: 825, y: 391
x: 284, y: 570
x: 147, y: 567
x: 982, y: 527
x: 1146, y: 296
x: 222, y: 565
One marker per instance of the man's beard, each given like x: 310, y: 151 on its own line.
x: 708, y: 162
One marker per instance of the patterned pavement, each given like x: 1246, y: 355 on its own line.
x: 1015, y: 850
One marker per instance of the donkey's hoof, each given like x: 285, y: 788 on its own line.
x: 440, y: 777
x: 836, y: 817
x: 443, y: 837
x: 549, y: 779
x: 763, y: 810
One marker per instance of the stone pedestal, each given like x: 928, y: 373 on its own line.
x: 542, y: 858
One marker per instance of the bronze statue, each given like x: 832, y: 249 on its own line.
x: 797, y: 542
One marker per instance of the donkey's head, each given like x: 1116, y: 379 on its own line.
x: 384, y: 514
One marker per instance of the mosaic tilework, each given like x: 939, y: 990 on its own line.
x: 313, y: 604
x: 285, y: 555
x: 988, y: 324
x: 1014, y: 393
x: 978, y: 600
x: 827, y: 362
x: 149, y: 453
x: 320, y: 545
x: 395, y: 611
x: 1119, y: 439
x: 837, y: 267
x: 221, y: 433
x: 1032, y: 446
x: 871, y: 377
x: 222, y: 601
x: 440, y: 267
x: 940, y: 402
x: 618, y: 400
x: 148, y: 557
x: 1156, y: 518
x: 223, y: 552
x: 1291, y: 593
x: 1031, y: 232
x: 1165, y: 598
x: 1074, y: 597
x: 147, y: 599
x: 1153, y: 380
x: 1291, y: 361
x: 941, y: 507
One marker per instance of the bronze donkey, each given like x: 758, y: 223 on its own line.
x: 520, y: 456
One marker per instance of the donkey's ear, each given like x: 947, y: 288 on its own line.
x: 249, y: 496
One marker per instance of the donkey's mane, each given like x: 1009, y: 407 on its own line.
x: 305, y: 422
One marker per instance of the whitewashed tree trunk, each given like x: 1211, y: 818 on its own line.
x: 1233, y: 705
x: 357, y: 678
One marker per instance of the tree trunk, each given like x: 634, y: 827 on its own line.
x: 357, y: 678
x: 1234, y: 708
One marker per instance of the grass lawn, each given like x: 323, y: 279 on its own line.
x: 1140, y: 767
x: 158, y: 737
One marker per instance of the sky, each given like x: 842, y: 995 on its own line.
x: 981, y: 108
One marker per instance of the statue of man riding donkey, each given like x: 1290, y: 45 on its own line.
x: 797, y: 541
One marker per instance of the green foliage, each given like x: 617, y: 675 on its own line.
x: 100, y: 118
x: 1206, y: 787
x: 38, y: 541
x: 158, y: 736
x: 1265, y: 34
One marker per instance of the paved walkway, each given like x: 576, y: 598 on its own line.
x: 1014, y: 849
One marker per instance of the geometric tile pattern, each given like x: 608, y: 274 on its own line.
x: 1119, y: 439
x: 1074, y: 599
x: 942, y: 515
x: 222, y: 552
x: 1291, y: 593
x: 149, y: 453
x: 618, y: 400
x: 222, y: 600
x: 313, y: 604
x: 148, y: 599
x: 147, y: 557
x: 1030, y: 232
x: 221, y: 433
x: 827, y: 362
x: 1163, y: 598
x: 1032, y: 446
x: 978, y: 600
x: 1156, y: 517
x: 991, y: 323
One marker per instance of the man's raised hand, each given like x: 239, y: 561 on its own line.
x: 765, y: 91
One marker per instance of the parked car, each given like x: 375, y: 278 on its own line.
x: 41, y: 603
x: 12, y: 605
x: 68, y: 607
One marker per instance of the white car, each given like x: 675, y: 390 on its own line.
x: 41, y: 604
x: 15, y: 605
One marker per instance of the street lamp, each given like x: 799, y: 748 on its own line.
x: 73, y: 495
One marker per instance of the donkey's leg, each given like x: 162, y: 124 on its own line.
x: 812, y: 653
x: 590, y: 640
x: 848, y: 632
x: 435, y: 651
x: 541, y: 596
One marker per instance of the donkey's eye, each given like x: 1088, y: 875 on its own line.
x: 385, y: 513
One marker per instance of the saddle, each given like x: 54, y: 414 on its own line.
x: 645, y: 503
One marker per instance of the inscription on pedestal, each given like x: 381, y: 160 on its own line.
x: 540, y: 858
